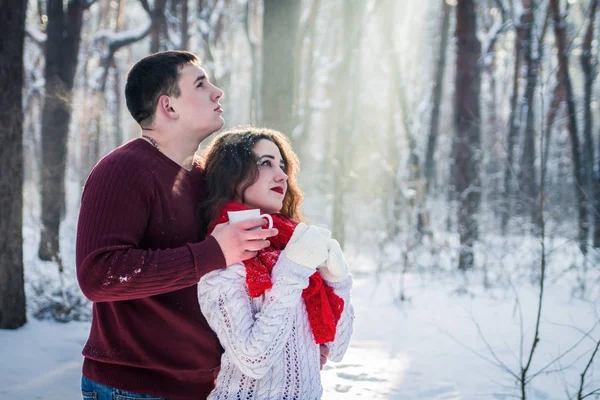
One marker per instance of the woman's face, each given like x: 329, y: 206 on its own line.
x: 269, y: 190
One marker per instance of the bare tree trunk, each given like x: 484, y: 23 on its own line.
x: 437, y: 96
x: 493, y: 161
x: 253, y: 42
x: 565, y: 78
x: 393, y: 190
x: 514, y: 124
x: 527, y: 174
x: 305, y: 112
x: 555, y: 102
x: 352, y: 10
x: 280, y: 26
x: 466, y: 146
x: 589, y: 73
x: 116, y: 118
x: 185, y: 27
x: 335, y: 34
x: 589, y: 77
x: 159, y: 22
x: 62, y: 49
x: 120, y: 14
x: 210, y: 16
x: 12, y: 291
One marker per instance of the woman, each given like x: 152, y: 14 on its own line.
x: 272, y: 312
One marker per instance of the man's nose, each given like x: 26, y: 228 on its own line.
x: 217, y: 94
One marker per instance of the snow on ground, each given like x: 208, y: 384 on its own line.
x: 427, y: 349
x: 42, y: 360
x: 424, y: 349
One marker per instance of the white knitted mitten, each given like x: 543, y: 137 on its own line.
x: 307, y: 247
x: 336, y: 268
x: 324, y: 231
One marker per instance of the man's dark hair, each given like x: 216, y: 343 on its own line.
x: 151, y: 77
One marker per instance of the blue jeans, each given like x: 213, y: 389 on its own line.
x: 92, y: 390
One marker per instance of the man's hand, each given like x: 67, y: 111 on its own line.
x: 324, y: 354
x: 239, y: 242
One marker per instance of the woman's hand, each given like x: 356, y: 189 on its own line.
x: 307, y: 246
x: 336, y: 268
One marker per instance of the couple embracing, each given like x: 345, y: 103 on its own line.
x: 186, y: 303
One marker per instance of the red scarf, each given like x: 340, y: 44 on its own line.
x: 324, y: 307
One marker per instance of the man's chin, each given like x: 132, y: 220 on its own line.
x: 217, y: 127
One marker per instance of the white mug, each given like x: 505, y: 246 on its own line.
x: 239, y: 216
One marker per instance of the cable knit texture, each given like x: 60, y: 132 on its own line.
x: 303, y: 245
x: 270, y: 352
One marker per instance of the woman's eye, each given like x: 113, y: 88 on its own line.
x: 266, y: 163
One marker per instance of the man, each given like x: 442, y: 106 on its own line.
x: 139, y: 254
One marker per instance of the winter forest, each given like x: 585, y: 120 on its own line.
x: 452, y: 146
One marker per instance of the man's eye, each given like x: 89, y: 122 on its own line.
x: 199, y: 85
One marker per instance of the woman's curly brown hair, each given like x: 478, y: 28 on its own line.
x: 230, y: 168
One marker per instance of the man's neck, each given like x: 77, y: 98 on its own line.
x: 179, y: 149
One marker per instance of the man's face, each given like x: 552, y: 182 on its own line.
x: 198, y: 105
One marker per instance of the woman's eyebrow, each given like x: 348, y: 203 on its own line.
x: 282, y: 162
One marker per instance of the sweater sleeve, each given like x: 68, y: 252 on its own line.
x: 343, y: 333
x: 114, y: 214
x: 254, y: 342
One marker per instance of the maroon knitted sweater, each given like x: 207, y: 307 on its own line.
x: 139, y: 259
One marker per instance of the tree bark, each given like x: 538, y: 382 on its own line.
x: 280, y: 26
x: 116, y: 118
x: 61, y: 52
x: 553, y: 109
x: 12, y: 291
x: 414, y: 164
x: 527, y: 174
x: 514, y: 124
x: 185, y: 29
x: 466, y: 145
x: 159, y: 22
x: 589, y: 77
x: 563, y: 71
x: 211, y: 13
x: 437, y: 97
x: 352, y: 25
x: 589, y: 73
x: 255, y: 76
x: 494, y: 26
x: 304, y: 114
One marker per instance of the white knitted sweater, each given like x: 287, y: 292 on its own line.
x: 270, y: 351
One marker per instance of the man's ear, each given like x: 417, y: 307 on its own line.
x: 165, y: 107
